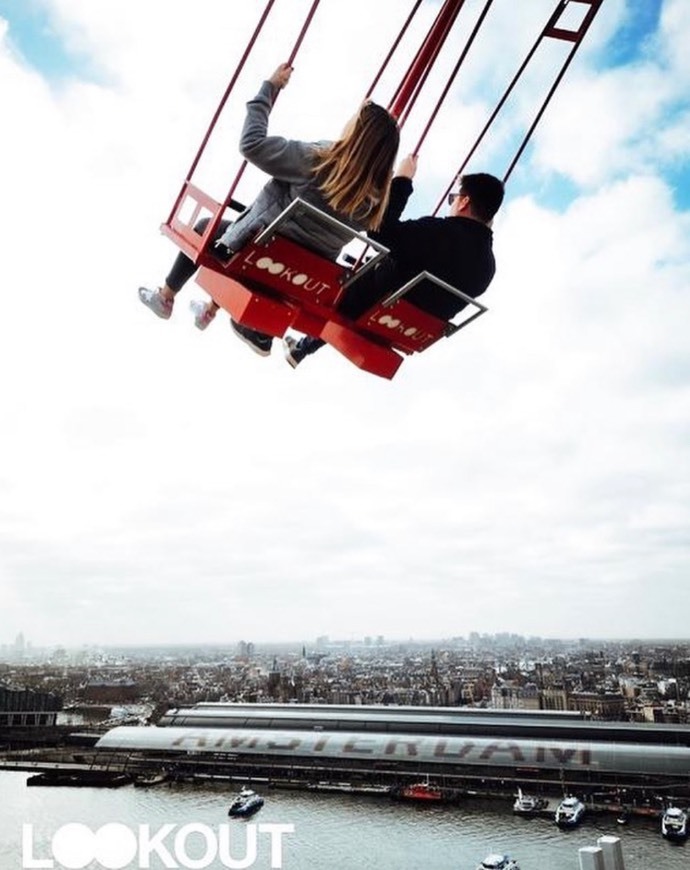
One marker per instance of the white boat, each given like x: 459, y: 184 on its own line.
x: 498, y: 862
x: 246, y: 803
x: 148, y: 779
x: 674, y: 823
x: 570, y: 812
x: 528, y: 805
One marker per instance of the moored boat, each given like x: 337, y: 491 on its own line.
x: 674, y: 823
x: 80, y: 778
x: 146, y: 780
x: 349, y: 788
x: 569, y: 812
x: 421, y: 791
x: 498, y: 861
x: 528, y: 805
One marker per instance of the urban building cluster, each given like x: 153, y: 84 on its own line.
x: 614, y: 680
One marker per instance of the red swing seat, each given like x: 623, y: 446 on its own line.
x: 403, y: 326
x: 274, y: 283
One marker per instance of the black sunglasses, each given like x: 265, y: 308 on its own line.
x: 453, y: 196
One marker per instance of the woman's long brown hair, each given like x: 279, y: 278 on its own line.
x: 355, y: 172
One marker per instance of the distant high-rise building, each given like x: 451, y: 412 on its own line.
x: 274, y: 680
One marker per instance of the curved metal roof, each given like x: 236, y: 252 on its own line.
x: 425, y: 749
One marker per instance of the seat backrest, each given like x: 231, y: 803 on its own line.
x: 407, y: 326
x: 285, y: 268
x: 282, y: 266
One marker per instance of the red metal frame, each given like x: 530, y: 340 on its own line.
x: 554, y: 32
x: 212, y: 228
x: 574, y: 36
x: 195, y: 246
x: 219, y: 110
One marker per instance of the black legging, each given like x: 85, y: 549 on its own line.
x: 183, y: 268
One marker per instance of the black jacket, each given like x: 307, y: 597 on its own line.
x: 455, y: 249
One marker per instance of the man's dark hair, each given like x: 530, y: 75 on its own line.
x: 485, y: 192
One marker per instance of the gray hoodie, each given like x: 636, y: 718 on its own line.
x: 290, y: 163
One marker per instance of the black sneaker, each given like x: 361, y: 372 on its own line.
x: 292, y: 352
x: 258, y: 342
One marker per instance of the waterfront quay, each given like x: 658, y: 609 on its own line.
x: 331, y: 830
x: 113, y: 773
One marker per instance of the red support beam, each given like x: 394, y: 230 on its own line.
x: 408, y: 89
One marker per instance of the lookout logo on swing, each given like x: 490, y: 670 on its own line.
x: 283, y: 271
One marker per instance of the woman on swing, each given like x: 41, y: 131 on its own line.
x: 348, y: 179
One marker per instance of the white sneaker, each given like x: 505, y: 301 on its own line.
x: 154, y: 300
x: 203, y: 313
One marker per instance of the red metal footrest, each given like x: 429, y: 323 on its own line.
x: 246, y: 307
x: 364, y: 353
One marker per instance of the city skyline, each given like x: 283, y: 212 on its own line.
x: 265, y: 646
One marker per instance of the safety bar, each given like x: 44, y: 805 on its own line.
x: 299, y: 207
x: 451, y: 327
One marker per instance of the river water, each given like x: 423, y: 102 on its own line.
x: 329, y: 831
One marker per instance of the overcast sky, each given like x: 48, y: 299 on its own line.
x: 160, y: 484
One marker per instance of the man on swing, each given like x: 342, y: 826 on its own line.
x: 456, y: 248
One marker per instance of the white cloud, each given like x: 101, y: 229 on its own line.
x: 150, y: 470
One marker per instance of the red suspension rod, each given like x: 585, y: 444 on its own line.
x: 211, y: 229
x: 394, y: 47
x: 290, y: 60
x: 576, y: 39
x: 550, y: 30
x: 408, y: 89
x: 452, y: 76
x: 303, y: 31
x: 221, y: 106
